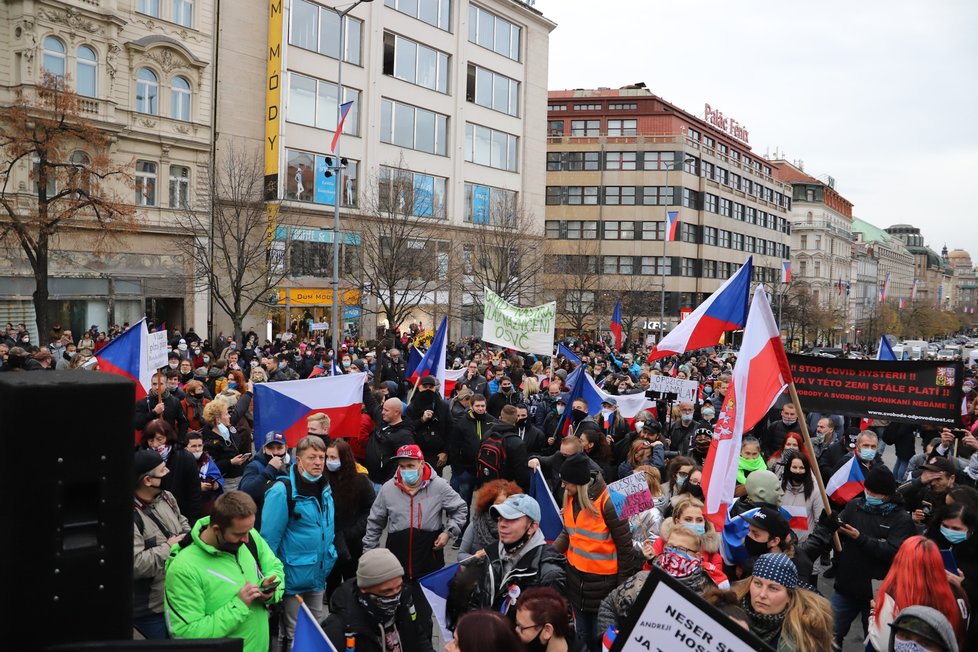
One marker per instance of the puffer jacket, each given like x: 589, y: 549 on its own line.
x: 347, y: 614
x: 539, y: 566
x: 150, y: 549
x: 202, y: 585
x: 585, y: 591
x: 303, y: 542
x: 382, y: 446
x: 467, y: 435
x: 414, y: 521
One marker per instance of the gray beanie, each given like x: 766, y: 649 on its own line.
x: 376, y: 567
x: 927, y: 622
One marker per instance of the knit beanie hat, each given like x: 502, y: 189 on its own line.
x: 576, y: 469
x: 376, y: 567
x: 928, y: 623
x: 880, y: 480
x: 144, y: 461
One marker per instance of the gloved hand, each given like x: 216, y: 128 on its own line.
x: 830, y: 521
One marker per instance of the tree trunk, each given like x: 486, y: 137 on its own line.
x: 238, y: 331
x: 41, y: 293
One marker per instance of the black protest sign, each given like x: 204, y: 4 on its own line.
x: 922, y: 392
x: 667, y: 616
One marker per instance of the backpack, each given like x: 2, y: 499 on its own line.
x: 491, y: 460
x: 289, y: 498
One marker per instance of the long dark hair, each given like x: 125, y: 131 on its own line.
x: 486, y: 631
x: 602, y: 450
x: 963, y: 511
x: 808, y: 483
x: 346, y: 483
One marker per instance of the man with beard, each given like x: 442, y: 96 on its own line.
x: 429, y: 415
x: 161, y: 404
x: 773, y: 439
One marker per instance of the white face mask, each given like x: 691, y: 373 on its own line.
x: 560, y: 409
x: 197, y: 454
x: 638, y: 426
x: 607, y: 413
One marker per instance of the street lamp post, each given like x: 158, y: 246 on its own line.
x: 337, y: 169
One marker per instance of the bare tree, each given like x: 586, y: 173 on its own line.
x: 238, y: 249
x: 572, y: 279
x: 640, y: 297
x: 400, y: 264
x: 75, y: 183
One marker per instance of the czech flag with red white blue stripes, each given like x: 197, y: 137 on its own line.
x: 286, y: 405
x: 672, y: 221
x: 616, y: 326
x: 126, y: 356
x: 846, y: 483
x: 725, y: 310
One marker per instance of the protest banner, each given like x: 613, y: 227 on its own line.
x: 319, y: 326
x: 525, y: 329
x: 684, y: 390
x: 921, y: 392
x: 157, y: 350
x: 667, y: 616
x: 631, y: 495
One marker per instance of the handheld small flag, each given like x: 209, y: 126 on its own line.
x: 550, y: 522
x: 846, y: 483
x: 435, y: 588
x: 885, y: 351
x: 127, y: 356
x: 567, y: 353
x: 344, y: 111
x: 672, y: 221
x: 309, y: 636
x: 616, y: 325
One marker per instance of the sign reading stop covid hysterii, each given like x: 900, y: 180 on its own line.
x: 524, y: 329
x: 921, y: 392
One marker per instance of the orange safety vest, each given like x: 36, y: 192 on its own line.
x: 591, y: 548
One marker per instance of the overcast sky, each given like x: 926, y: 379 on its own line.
x: 882, y: 95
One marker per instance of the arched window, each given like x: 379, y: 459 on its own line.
x: 147, y: 91
x: 54, y: 56
x: 80, y: 175
x: 180, y: 99
x: 86, y: 74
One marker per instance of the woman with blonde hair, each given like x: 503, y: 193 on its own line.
x: 782, y: 611
x: 223, y: 443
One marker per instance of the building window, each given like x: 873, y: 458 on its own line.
x: 724, y: 240
x: 147, y: 91
x: 619, y: 195
x: 738, y: 212
x: 693, y: 134
x: 691, y: 165
x: 313, y: 102
x: 488, y: 205
x: 306, y: 179
x: 54, y: 57
x: 552, y: 229
x: 149, y: 7
x: 145, y: 183
x: 556, y: 107
x: 179, y: 186
x: 710, y: 203
x: 710, y: 236
x: 86, y: 71
x: 576, y: 161
x: 622, y: 107
x: 750, y: 215
x: 720, y: 176
x: 691, y: 199
x: 737, y: 241
x: 585, y: 127
x: 553, y: 195
x: 658, y: 196
x: 183, y: 12
x: 749, y: 241
x: 494, y: 33
x: 620, y: 160
x: 581, y: 195
x: 688, y: 267
x: 180, y: 99
x: 493, y: 91
x: 659, y: 161
x: 80, y: 176
x: 619, y: 230
x: 818, y: 269
x: 618, y: 264
x: 707, y: 170
x: 725, y: 207
x: 318, y: 28
x: 587, y: 107
x: 404, y: 192
x: 415, y: 63
x: 486, y: 146
x: 555, y: 127
x: 735, y: 181
x: 709, y: 142
x: 709, y: 269
x: 656, y: 266
x: 433, y: 12
x: 622, y: 127
x: 652, y: 230
x: 688, y: 232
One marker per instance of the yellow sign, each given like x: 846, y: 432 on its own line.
x: 273, y: 94
x: 317, y: 297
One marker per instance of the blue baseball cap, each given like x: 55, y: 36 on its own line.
x: 276, y: 437
x: 516, y: 506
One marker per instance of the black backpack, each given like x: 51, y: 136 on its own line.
x: 491, y: 460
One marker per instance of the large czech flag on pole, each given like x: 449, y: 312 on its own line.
x: 616, y: 325
x: 758, y: 378
x: 724, y: 310
x: 127, y: 356
x: 286, y: 405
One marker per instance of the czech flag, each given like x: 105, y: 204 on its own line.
x: 759, y: 377
x: 551, y: 523
x: 913, y: 290
x: 567, y: 353
x: 309, y: 636
x: 582, y: 386
x: 846, y: 483
x: 885, y: 288
x: 885, y: 351
x: 616, y: 325
x: 344, y: 111
x: 799, y: 516
x: 724, y: 310
x: 786, y: 271
x: 414, y: 359
x: 286, y: 405
x: 672, y: 221
x: 127, y: 355
x: 734, y: 532
x: 435, y: 588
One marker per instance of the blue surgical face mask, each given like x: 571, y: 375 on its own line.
x: 333, y: 465
x: 310, y: 477
x: 410, y: 476
x: 698, y: 528
x: 223, y: 429
x: 873, y: 501
x: 867, y: 454
x: 954, y: 536
x: 232, y: 385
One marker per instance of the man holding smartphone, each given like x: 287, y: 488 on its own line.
x: 924, y: 494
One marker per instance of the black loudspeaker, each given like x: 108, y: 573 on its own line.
x: 66, y: 445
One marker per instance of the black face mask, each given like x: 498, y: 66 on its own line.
x: 519, y: 543
x: 521, y: 423
x: 578, y: 415
x: 796, y: 478
x: 755, y: 548
x: 694, y: 490
x: 536, y: 645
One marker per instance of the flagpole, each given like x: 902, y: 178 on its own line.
x: 811, y: 456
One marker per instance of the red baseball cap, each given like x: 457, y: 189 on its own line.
x: 409, y: 452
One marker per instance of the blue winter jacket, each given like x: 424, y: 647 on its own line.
x: 304, y: 542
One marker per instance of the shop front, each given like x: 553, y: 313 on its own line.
x: 307, y: 311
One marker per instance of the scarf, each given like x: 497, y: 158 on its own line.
x: 765, y: 626
x: 972, y: 469
x: 485, y: 531
x: 745, y: 466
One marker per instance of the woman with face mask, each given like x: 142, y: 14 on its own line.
x: 801, y: 498
x: 182, y: 480
x: 211, y: 480
x: 688, y: 512
x: 543, y: 622
x: 955, y: 530
x: 353, y: 495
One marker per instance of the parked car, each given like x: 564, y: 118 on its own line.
x: 948, y: 354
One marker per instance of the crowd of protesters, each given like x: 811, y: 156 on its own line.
x: 349, y: 521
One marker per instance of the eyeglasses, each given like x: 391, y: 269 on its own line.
x: 523, y: 628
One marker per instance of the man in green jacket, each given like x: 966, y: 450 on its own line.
x: 218, y: 585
